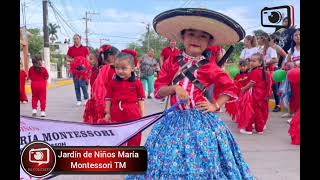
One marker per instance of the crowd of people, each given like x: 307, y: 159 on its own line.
x: 195, y: 80
x: 261, y: 53
x: 261, y: 58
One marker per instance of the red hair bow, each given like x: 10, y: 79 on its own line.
x: 133, y: 53
x: 103, y: 49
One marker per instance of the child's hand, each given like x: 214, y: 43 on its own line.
x: 107, y: 118
x: 181, y: 93
x: 206, y: 106
x: 242, y: 90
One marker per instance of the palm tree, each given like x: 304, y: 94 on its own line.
x: 53, y: 30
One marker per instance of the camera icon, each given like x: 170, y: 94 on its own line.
x: 39, y: 156
x: 280, y: 16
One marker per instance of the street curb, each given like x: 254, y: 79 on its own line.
x: 51, y: 86
x: 69, y: 82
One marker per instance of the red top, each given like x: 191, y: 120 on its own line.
x: 124, y: 96
x: 125, y: 91
x: 262, y: 88
x: 214, y: 50
x: 23, y: 77
x: 241, y: 80
x: 80, y: 68
x: 78, y: 51
x: 207, y: 75
x: 35, y: 75
x: 166, y: 52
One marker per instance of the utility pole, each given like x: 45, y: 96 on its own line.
x: 86, y: 31
x: 103, y: 40
x: 25, y: 46
x: 23, y: 9
x: 46, y: 49
x: 148, y: 31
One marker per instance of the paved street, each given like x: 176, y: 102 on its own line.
x: 270, y: 156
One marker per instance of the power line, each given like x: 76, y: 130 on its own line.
x: 23, y: 9
x: 61, y: 24
x: 186, y: 3
x: 115, y: 36
x: 36, y: 4
x: 60, y: 15
x: 86, y: 20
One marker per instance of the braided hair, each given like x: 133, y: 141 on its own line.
x: 260, y: 57
x: 105, y: 52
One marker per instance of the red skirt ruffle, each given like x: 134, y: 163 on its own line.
x: 294, y: 130
x: 245, y: 110
x: 95, y: 108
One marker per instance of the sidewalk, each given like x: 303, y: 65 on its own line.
x: 54, y: 84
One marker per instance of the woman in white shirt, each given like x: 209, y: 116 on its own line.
x: 294, y: 51
x: 271, y: 60
x: 250, y: 43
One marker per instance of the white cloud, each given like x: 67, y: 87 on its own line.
x: 244, y: 16
x: 115, y: 15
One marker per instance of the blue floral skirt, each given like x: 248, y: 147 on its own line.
x: 189, y: 144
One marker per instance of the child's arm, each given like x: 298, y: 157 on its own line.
x: 107, y: 116
x: 281, y: 52
x: 29, y: 74
x: 45, y: 73
x: 141, y: 96
x: 109, y: 96
x: 248, y: 86
x: 141, y: 107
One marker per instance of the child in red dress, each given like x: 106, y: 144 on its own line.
x: 125, y: 95
x: 294, y: 79
x: 23, y: 78
x: 95, y: 107
x: 240, y: 80
x: 260, y: 82
x: 38, y: 76
x: 244, y: 109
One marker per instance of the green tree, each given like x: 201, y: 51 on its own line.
x: 35, y: 42
x: 138, y: 48
x: 53, y: 30
x: 259, y: 32
x: 58, y: 59
x: 155, y: 41
x: 235, y: 55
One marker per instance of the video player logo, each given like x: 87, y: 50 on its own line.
x: 38, y: 159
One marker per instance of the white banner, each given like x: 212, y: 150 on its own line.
x: 62, y: 133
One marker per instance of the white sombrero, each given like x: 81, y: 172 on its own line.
x: 224, y: 30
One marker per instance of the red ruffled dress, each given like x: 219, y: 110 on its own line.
x: 80, y: 68
x: 240, y: 81
x: 95, y: 108
x: 294, y: 131
x: 294, y: 79
x: 124, y: 96
x: 261, y: 92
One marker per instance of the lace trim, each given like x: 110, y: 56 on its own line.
x: 191, y: 58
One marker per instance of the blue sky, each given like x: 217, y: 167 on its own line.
x: 120, y: 21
